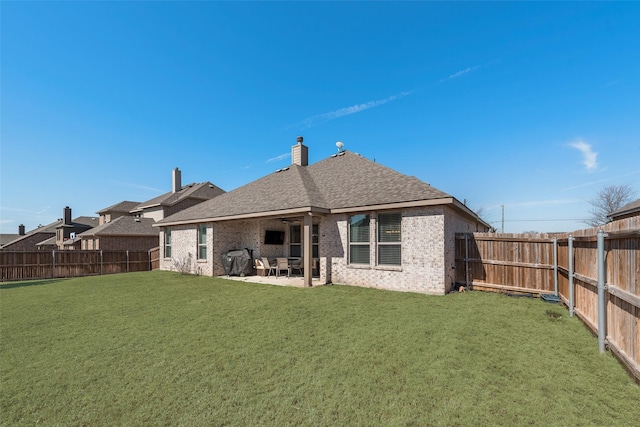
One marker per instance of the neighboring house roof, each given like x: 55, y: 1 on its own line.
x: 51, y: 241
x: 201, y: 191
x: 89, y: 221
x: 71, y: 242
x: 123, y: 226
x: 341, y: 183
x: 626, y: 210
x: 124, y: 206
x: 6, y: 238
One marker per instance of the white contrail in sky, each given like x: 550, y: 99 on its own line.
x: 341, y: 112
x: 461, y: 72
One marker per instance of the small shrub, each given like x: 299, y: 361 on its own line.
x: 183, y: 266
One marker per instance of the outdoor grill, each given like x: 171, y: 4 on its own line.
x: 238, y: 262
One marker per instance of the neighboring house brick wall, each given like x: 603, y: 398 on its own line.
x: 156, y: 213
x: 116, y: 243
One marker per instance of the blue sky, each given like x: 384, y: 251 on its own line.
x: 534, y: 106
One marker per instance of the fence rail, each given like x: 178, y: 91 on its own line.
x: 27, y: 265
x: 595, y: 272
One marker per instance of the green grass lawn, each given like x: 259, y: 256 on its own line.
x: 160, y: 348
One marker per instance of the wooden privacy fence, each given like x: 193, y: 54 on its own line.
x: 595, y: 272
x: 51, y: 264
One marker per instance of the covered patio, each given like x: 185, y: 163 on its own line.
x: 292, y: 236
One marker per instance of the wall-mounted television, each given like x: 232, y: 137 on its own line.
x: 274, y: 237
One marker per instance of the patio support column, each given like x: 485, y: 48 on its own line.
x: 307, y: 251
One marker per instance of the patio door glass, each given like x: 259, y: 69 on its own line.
x: 295, y: 241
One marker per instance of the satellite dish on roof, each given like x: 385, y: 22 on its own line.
x: 340, y: 146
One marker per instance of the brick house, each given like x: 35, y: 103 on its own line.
x: 123, y: 233
x: 129, y: 225
x: 359, y: 222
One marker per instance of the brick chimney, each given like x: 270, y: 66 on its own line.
x: 177, y: 180
x: 21, y: 230
x: 300, y: 153
x: 67, y: 215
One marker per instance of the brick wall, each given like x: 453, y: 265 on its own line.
x: 221, y: 238
x: 156, y: 213
x: 184, y: 250
x: 422, y: 268
x: 455, y: 223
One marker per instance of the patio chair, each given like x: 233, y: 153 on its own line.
x: 296, y: 265
x: 260, y: 268
x: 269, y: 267
x: 282, y: 264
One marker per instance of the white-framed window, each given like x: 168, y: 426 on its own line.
x: 389, y: 238
x: 295, y: 241
x: 167, y: 242
x: 202, y: 241
x: 359, y: 239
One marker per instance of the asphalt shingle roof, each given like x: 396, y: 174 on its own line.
x: 346, y: 180
x: 626, y: 209
x: 124, y: 226
x: 90, y: 221
x: 6, y: 238
x: 51, y: 241
x: 203, y: 191
x: 124, y: 206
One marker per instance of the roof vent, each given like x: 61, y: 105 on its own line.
x: 137, y: 220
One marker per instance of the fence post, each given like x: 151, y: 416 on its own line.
x: 571, y: 303
x: 150, y: 266
x: 466, y: 260
x: 555, y: 266
x: 602, y: 333
x: 101, y: 262
x: 53, y: 264
x: 127, y: 261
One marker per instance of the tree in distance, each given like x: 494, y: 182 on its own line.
x: 609, y: 199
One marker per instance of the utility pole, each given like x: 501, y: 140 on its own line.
x: 502, y: 206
